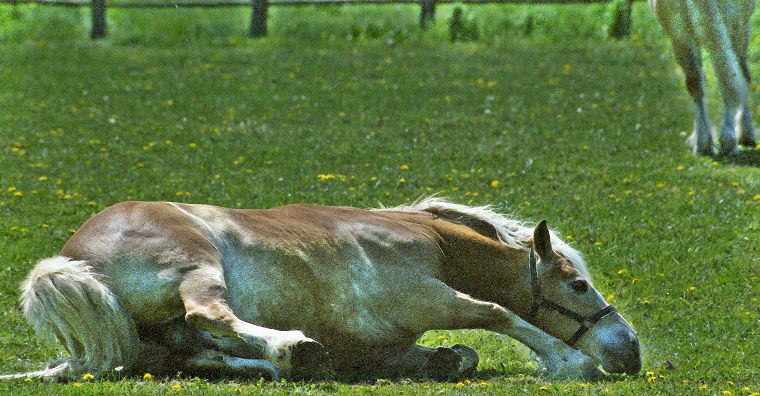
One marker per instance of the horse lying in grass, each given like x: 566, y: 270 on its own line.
x: 301, y: 291
x: 723, y: 27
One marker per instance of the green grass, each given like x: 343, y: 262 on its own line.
x: 578, y: 129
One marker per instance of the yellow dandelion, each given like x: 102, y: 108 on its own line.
x: 401, y: 180
x: 543, y: 388
x: 77, y: 384
x: 88, y: 376
x: 495, y: 183
x: 610, y: 298
x: 176, y: 386
x: 569, y: 237
x: 651, y: 379
x: 404, y: 167
x: 702, y: 386
x: 18, y: 194
x: 148, y: 376
x: 645, y: 301
x: 460, y: 384
x: 598, y: 243
x: 42, y: 178
x: 691, y: 288
x: 11, y: 189
x: 728, y: 393
x: 622, y: 271
x: 193, y: 146
x: 680, y: 167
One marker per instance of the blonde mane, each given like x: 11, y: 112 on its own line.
x: 513, y: 233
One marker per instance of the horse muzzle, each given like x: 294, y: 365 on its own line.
x: 623, y: 355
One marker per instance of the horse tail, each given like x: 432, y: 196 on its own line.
x: 68, y: 299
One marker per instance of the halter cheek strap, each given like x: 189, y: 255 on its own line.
x: 585, y: 322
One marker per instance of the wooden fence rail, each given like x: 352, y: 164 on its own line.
x: 259, y: 9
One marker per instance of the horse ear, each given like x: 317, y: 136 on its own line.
x: 542, y: 242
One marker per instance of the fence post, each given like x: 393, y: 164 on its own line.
x: 98, y: 19
x: 258, y: 18
x: 622, y: 19
x: 427, y: 12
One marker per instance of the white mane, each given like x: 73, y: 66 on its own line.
x: 511, y: 232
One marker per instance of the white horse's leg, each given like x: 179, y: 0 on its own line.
x: 292, y: 354
x: 740, y: 38
x: 733, y: 86
x: 689, y: 56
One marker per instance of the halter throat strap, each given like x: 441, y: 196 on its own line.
x: 538, y: 302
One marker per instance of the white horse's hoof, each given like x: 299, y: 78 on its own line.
x: 701, y: 147
x: 729, y: 150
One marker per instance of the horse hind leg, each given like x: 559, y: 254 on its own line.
x: 439, y: 364
x: 211, y: 362
x: 291, y: 353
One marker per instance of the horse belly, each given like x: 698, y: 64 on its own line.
x: 332, y: 303
x: 268, y: 289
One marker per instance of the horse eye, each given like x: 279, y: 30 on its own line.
x: 580, y: 285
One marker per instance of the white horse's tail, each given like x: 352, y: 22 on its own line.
x: 67, y: 298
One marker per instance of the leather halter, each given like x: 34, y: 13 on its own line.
x: 585, y: 322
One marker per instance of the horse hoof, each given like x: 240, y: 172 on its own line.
x: 309, y: 360
x: 443, y: 364
x: 704, y: 151
x: 470, y: 359
x: 729, y: 151
x: 748, y: 142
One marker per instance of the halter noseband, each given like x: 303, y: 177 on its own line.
x: 585, y: 322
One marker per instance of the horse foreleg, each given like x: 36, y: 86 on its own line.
x: 740, y: 38
x: 561, y: 360
x: 290, y: 352
x: 733, y: 85
x: 689, y: 57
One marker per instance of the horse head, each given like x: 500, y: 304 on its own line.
x: 566, y: 305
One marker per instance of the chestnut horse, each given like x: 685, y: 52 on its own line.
x: 303, y: 290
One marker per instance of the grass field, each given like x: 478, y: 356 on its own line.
x: 354, y: 106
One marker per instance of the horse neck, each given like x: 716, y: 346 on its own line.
x: 485, y: 268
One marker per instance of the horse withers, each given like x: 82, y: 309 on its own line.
x: 300, y: 291
x: 723, y: 27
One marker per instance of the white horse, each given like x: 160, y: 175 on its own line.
x: 301, y: 290
x: 723, y: 27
